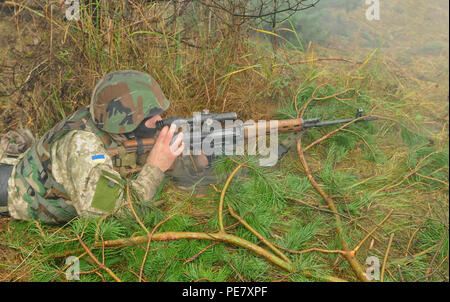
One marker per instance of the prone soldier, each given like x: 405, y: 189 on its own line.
x: 68, y: 172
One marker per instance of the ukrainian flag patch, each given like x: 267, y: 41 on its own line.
x: 98, y: 159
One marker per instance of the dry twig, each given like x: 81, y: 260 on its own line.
x: 383, y: 267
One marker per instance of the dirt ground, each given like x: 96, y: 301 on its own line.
x: 9, y: 258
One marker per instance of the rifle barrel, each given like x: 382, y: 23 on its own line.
x: 328, y: 123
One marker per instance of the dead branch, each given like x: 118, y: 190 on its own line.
x: 383, y: 268
x: 218, y: 236
x: 349, y: 255
x: 101, y: 265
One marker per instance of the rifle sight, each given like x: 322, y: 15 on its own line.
x: 198, y: 118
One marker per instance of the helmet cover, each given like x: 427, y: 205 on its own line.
x: 121, y: 100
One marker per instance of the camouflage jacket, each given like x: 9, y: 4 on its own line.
x: 75, y: 169
x: 68, y: 173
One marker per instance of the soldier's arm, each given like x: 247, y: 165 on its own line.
x: 80, y: 163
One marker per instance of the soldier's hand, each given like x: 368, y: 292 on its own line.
x: 163, y: 153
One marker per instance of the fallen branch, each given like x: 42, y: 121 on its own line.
x: 218, y: 236
x: 101, y: 265
x: 414, y: 171
x: 364, y: 141
x: 326, y: 278
x: 437, y: 252
x: 149, y: 241
x: 314, y: 249
x: 316, y: 208
x: 373, y: 231
x: 222, y: 196
x: 411, y: 258
x: 383, y: 268
x: 141, y: 272
x: 259, y: 236
x: 199, y: 253
x: 349, y: 255
x: 334, y: 131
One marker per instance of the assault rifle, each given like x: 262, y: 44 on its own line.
x: 200, y: 129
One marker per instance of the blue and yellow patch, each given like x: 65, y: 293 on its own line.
x: 98, y: 159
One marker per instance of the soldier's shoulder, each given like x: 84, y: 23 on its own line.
x: 81, y: 135
x: 80, y: 139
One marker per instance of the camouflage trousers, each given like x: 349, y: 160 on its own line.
x: 6, y: 159
x: 13, y: 146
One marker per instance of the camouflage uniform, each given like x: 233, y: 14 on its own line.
x: 68, y: 172
x: 80, y: 181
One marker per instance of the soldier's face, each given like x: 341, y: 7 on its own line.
x: 147, y: 128
x: 151, y: 122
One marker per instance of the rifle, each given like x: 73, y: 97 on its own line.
x: 196, y: 136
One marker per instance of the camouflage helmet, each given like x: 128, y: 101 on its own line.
x: 121, y: 100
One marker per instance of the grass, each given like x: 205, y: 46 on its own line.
x: 398, y: 164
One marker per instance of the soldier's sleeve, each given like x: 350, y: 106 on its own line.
x: 82, y: 166
x: 148, y: 181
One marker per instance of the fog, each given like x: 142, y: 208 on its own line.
x: 409, y: 32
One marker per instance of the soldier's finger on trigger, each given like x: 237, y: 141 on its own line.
x: 162, y: 134
x: 169, y: 135
x: 176, y: 141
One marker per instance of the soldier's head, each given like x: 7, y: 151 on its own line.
x: 127, y: 101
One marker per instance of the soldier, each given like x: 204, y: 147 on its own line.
x: 68, y: 172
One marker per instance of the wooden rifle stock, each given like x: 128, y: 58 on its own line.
x: 134, y: 143
x: 283, y: 126
x: 132, y: 146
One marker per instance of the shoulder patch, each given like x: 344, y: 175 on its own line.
x: 98, y: 159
